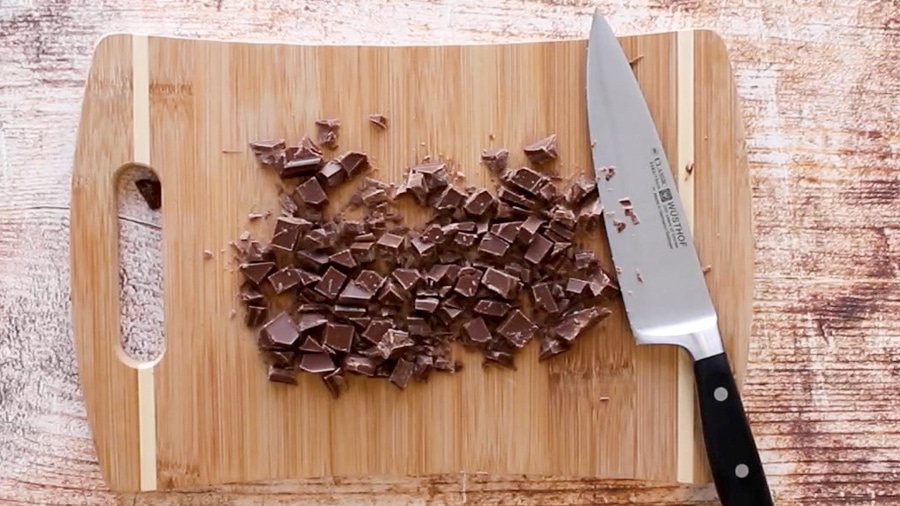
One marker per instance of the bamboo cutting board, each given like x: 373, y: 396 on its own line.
x: 205, y: 413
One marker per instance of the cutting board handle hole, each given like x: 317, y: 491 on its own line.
x: 141, y: 316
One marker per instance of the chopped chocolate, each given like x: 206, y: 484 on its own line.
x: 327, y: 132
x: 494, y: 308
x: 250, y: 295
x: 450, y: 199
x: 422, y: 246
x: 589, y: 214
x: 424, y: 366
x: 608, y: 172
x: 332, y: 173
x: 151, y: 191
x: 467, y: 284
x: 316, y: 363
x: 335, y: 382
x: 370, y: 280
x: 407, y: 278
x: 579, y: 190
x: 542, y: 151
x: 402, y: 373
x: 361, y: 322
x: 529, y: 228
x: 343, y: 258
x: 418, y: 326
x: 310, y: 321
x: 436, y: 175
x: 355, y: 294
x: 311, y: 193
x: 331, y: 283
x: 547, y: 192
x: 426, y: 304
x: 507, y: 231
x: 300, y: 167
x: 307, y: 278
x: 495, y: 159
x: 363, y: 252
x: 376, y: 329
x: 379, y: 120
x: 358, y: 364
x: 437, y: 273
x: 517, y: 328
x: 465, y: 240
x: 559, y: 248
x: 374, y: 196
x: 493, y: 246
x: 448, y: 314
x: 349, y: 312
x: 542, y: 294
x: 280, y: 331
x: 633, y: 215
x: 564, y: 216
x: 525, y: 179
x: 287, y: 230
x: 619, y: 224
x: 585, y: 260
x: 338, y: 337
x: 501, y: 358
x: 433, y: 233
x: 478, y: 203
x: 551, y: 347
x: 269, y: 152
x: 500, y: 283
x: 575, y: 286
x: 310, y: 345
x: 515, y: 199
x: 281, y: 358
x: 282, y: 375
x: 391, y: 242
x: 574, y: 323
x: 415, y: 184
x: 561, y: 232
x: 392, y: 341
x: 256, y: 272
x: 477, y: 330
x: 284, y: 279
x: 255, y: 315
x: 538, y: 249
x: 353, y: 162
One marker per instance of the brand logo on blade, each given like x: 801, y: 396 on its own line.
x: 666, y: 203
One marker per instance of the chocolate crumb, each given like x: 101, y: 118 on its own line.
x: 327, y: 132
x: 620, y: 225
x: 608, y: 172
x: 542, y: 151
x: 638, y: 275
x: 379, y: 120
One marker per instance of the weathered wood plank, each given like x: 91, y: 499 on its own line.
x: 818, y: 83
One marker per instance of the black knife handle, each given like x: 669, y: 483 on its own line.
x: 736, y: 468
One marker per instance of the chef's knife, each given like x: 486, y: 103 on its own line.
x: 663, y: 287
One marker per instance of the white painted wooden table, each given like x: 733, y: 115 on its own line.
x: 818, y: 82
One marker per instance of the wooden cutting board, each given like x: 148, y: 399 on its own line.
x: 205, y: 413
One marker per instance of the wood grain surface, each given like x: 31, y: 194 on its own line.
x: 818, y: 82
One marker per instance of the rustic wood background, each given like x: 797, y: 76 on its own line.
x: 818, y: 81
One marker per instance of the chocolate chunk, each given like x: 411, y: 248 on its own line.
x: 422, y: 246
x: 338, y: 337
x: 507, y: 231
x: 287, y: 230
x: 315, y: 260
x: 564, y: 216
x: 559, y: 248
x: 518, y: 270
x: 551, y: 347
x: 311, y: 193
x: 585, y: 260
x: 250, y: 295
x: 335, y: 382
x: 402, y: 373
x: 608, y: 172
x: 418, y: 326
x: 426, y: 304
x: 256, y: 272
x: 343, y: 258
x: 495, y: 159
x: 353, y: 162
x: 392, y: 341
x: 415, y: 185
x: 525, y: 179
x: 300, y: 167
x: 465, y: 240
x: 355, y: 294
x: 151, y: 191
x: 269, y: 153
x: 255, y: 315
x: 575, y: 286
x: 379, y: 120
x: 538, y: 249
x: 307, y: 278
x: 281, y: 331
x: 331, y: 283
x: 360, y: 322
x: 407, y: 278
x: 424, y: 366
x: 282, y: 375
x: 477, y: 330
x: 500, y: 283
x: 363, y: 252
x: 316, y: 363
x: 494, y: 308
x: 517, y: 328
x: 588, y: 216
x: 493, y: 246
x: 499, y: 357
x: 327, y: 132
x: 448, y: 314
x: 560, y: 232
x: 529, y: 229
x: 467, y: 284
x: 619, y: 225
x: 307, y: 322
x: 310, y: 345
x: 433, y: 233
x: 516, y: 200
x: 393, y: 295
x: 376, y: 329
x: 392, y: 243
x: 450, y: 199
x: 601, y: 285
x: 542, y: 295
x: 283, y: 359
x: 349, y: 312
x: 574, y: 323
x: 437, y: 274
x: 357, y: 364
x: 374, y: 196
x: 370, y: 280
x: 579, y: 190
x: 542, y: 151
x: 284, y: 279
x: 319, y: 238
x: 332, y: 173
x: 547, y: 193
x: 479, y: 203
x: 436, y: 175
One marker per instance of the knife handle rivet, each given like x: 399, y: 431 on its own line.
x: 741, y: 470
x: 720, y: 394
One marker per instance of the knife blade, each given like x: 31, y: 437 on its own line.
x: 662, y: 283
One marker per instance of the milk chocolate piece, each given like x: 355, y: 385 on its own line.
x: 585, y: 260
x: 579, y: 190
x: 255, y: 315
x: 564, y: 216
x: 300, y: 167
x: 525, y: 179
x: 391, y: 242
x: 477, y: 330
x: 450, y: 199
x: 551, y: 347
x: 363, y: 252
x: 529, y: 229
x: 468, y: 282
x: 281, y: 331
x: 517, y: 328
x: 402, y: 373
x: 338, y: 337
x: 331, y: 283
x: 332, y: 173
x: 542, y: 151
x: 284, y: 279
x: 493, y: 246
x: 515, y: 199
x: 479, y: 203
x: 507, y: 231
x: 310, y: 345
x: 576, y: 287
x: 355, y: 294
x: 574, y: 323
x: 560, y: 231
x: 316, y: 363
x: 358, y: 364
x: 547, y: 193
x: 493, y: 308
x: 282, y: 375
x: 601, y: 285
x: 543, y: 298
x: 269, y: 152
x: 151, y: 191
x: 407, y: 278
x: 426, y: 304
x: 499, y: 282
x: 379, y: 120
x: 256, y: 272
x: 538, y: 249
x: 311, y: 193
x: 376, y: 329
x: 335, y: 382
x: 392, y: 341
x: 495, y: 159
x: 499, y: 357
x: 327, y: 132
x: 353, y: 162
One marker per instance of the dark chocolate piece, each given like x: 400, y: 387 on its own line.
x: 332, y: 173
x: 437, y: 273
x: 561, y: 232
x: 281, y: 331
x: 499, y: 357
x: 316, y: 363
x: 284, y: 279
x: 575, y: 286
x: 315, y: 260
x: 331, y: 283
x: 494, y: 308
x: 392, y: 341
x: 436, y: 175
x: 282, y: 375
x: 355, y: 294
x: 579, y: 190
x: 327, y: 132
x: 518, y: 270
x: 311, y: 193
x: 418, y: 326
x: 574, y: 323
x: 255, y: 315
x: 335, y: 382
x: 349, y: 312
x: 360, y: 322
x: 370, y: 280
x: 517, y: 328
x: 407, y: 278
x: 543, y: 298
x: 450, y: 199
x: 379, y: 120
x: 448, y: 314
x: 287, y: 230
x: 433, y: 233
x: 422, y: 246
x: 415, y: 184
x: 283, y: 359
x: 402, y: 373
x: 585, y: 259
x: 338, y: 337
x: 374, y: 196
x: 310, y: 345
x: 495, y: 159
x: 465, y: 240
x: 542, y: 151
x: 507, y: 231
x: 363, y: 252
x: 358, y: 364
x: 256, y: 272
x: 559, y: 248
x: 426, y: 304
x: 391, y: 242
x: 151, y: 191
x: 493, y: 246
x: 353, y: 162
x: 515, y: 199
x: 300, y: 167
x: 269, y: 152
x: 479, y: 203
x: 467, y: 284
x: 500, y: 283
x: 564, y: 216
x: 250, y: 295
x: 376, y: 329
x: 588, y: 216
x: 308, y: 322
x: 477, y: 330
x: 538, y: 249
x: 343, y: 258
x: 525, y: 179
x: 551, y: 347
x: 424, y: 366
x: 307, y: 278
